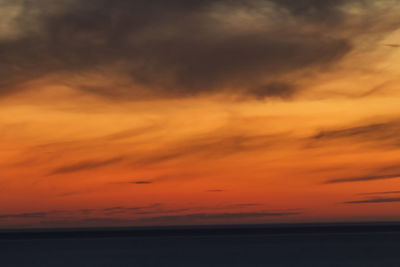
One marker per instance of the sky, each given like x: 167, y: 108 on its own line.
x: 184, y: 112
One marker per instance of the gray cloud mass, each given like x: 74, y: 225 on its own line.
x: 172, y: 48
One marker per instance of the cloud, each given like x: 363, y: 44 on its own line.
x: 25, y: 215
x: 37, y: 215
x: 283, y: 90
x: 149, y: 48
x: 364, y: 178
x: 381, y: 173
x: 393, y: 45
x: 44, y: 153
x: 169, y: 219
x: 359, y: 131
x: 85, y: 165
x: 139, y: 182
x: 120, y: 209
x: 143, y: 210
x: 243, y: 205
x: 74, y: 214
x: 161, y: 211
x: 213, y: 216
x: 143, y: 215
x: 142, y: 182
x: 385, y: 133
x: 87, y: 211
x: 211, y: 146
x: 380, y: 193
x: 122, y: 135
x: 75, y: 193
x: 314, y: 9
x: 374, y: 201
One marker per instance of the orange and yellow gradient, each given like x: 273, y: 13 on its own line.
x: 71, y: 158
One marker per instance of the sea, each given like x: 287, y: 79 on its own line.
x: 336, y: 247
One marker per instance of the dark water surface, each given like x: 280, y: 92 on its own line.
x: 320, y: 249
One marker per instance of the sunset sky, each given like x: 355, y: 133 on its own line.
x: 186, y: 112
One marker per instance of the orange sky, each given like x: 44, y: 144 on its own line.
x: 119, y: 135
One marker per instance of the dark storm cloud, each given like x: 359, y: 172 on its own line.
x: 374, y: 201
x: 172, y: 48
x: 85, y: 165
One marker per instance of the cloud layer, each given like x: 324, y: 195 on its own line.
x: 174, y: 48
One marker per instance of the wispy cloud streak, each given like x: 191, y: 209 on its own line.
x: 85, y: 165
x: 380, y: 193
x: 364, y: 178
x: 374, y: 201
x: 211, y: 216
